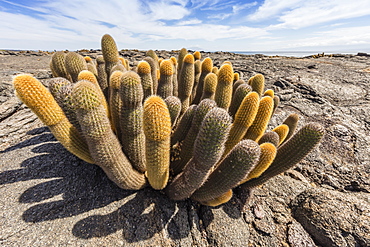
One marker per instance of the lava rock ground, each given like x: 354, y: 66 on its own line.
x: 50, y: 197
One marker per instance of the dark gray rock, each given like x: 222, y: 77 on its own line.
x: 298, y: 237
x: 224, y: 225
x: 334, y: 218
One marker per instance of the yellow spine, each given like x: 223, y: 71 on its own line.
x: 268, y: 154
x: 41, y: 102
x: 261, y: 120
x: 157, y: 129
x: 282, y: 130
x: 224, y: 88
x: 224, y: 198
x: 244, y: 118
x: 89, y: 76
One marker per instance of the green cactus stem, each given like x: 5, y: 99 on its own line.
x: 291, y: 152
x: 257, y: 83
x: 89, y: 76
x: 102, y: 76
x: 75, y: 63
x: 61, y: 90
x: 183, y: 52
x: 110, y: 53
x: 208, y: 149
x: 224, y: 88
x: 276, y: 104
x: 38, y: 98
x: 186, y: 81
x: 92, y: 68
x: 238, y: 97
x: 209, y: 87
x: 271, y: 137
x: 119, y: 66
x: 174, y: 78
x: 183, y: 126
x: 98, y: 133
x: 206, y: 68
x: 58, y: 65
x: 267, y: 156
x: 174, y: 107
x: 187, y: 145
x: 240, y: 161
x: 91, y: 65
x: 165, y: 86
x: 153, y: 70
x: 292, y: 122
x: 152, y: 54
x: 131, y: 120
x: 237, y: 84
x: 144, y: 71
x: 197, y: 72
x: 115, y: 101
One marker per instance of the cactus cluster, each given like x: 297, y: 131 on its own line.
x: 179, y: 124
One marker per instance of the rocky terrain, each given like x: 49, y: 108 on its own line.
x: 51, y: 198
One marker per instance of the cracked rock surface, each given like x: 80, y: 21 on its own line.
x: 51, y: 198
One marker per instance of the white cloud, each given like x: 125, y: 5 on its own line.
x: 131, y: 22
x: 297, y: 14
x: 211, y: 32
x: 356, y: 39
x: 171, y: 24
x: 312, y: 13
x: 221, y: 16
x: 212, y: 5
x: 353, y: 36
x: 235, y: 9
x: 190, y: 22
x: 166, y: 10
x: 271, y: 8
x: 217, y: 5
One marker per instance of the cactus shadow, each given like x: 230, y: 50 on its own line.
x: 79, y: 186
x: 67, y: 187
x: 147, y: 213
x: 233, y: 208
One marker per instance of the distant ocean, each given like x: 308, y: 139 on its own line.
x: 289, y: 53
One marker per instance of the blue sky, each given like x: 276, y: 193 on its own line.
x: 211, y: 25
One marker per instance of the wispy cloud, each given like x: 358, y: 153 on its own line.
x: 272, y: 8
x: 232, y: 10
x: 303, y: 13
x: 132, y: 21
x: 170, y: 24
x: 354, y: 36
x: 166, y: 10
x: 214, y: 5
x: 239, y: 7
x: 312, y: 13
x: 194, y: 21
